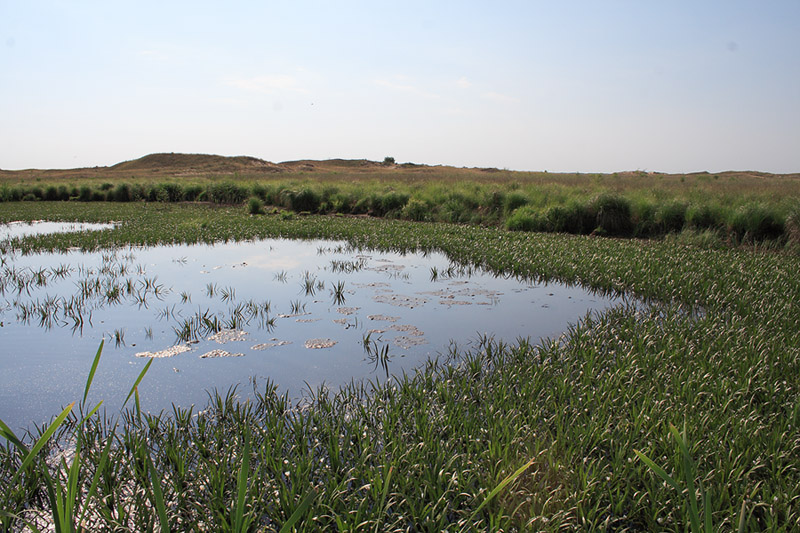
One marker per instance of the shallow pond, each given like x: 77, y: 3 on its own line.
x: 41, y: 227
x: 299, y: 313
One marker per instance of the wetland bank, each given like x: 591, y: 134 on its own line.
x: 425, y: 451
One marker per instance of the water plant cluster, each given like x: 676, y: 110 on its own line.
x: 731, y: 209
x: 577, y: 432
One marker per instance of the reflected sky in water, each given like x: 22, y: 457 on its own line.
x: 40, y: 227
x: 281, y: 299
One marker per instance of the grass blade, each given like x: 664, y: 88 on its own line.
x: 138, y: 380
x: 384, y: 494
x: 741, y: 518
x: 92, y: 371
x: 92, y: 412
x: 244, y: 472
x: 158, y: 496
x: 658, y: 470
x: 10, y: 436
x: 299, y: 512
x: 688, y: 468
x: 46, y: 436
x: 96, y: 478
x: 510, y: 478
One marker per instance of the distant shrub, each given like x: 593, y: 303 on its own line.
x: 63, y: 193
x: 106, y: 186
x: 51, y: 193
x: 494, y: 201
x: 138, y: 192
x: 755, y: 222
x: 526, y: 218
x: 255, y: 206
x: 305, y: 199
x: 513, y: 201
x: 192, y: 192
x: 643, y: 218
x: 259, y: 191
x: 85, y: 193
x: 612, y: 214
x: 98, y: 196
x: 122, y: 193
x: 792, y: 225
x: 390, y: 203
x: 340, y: 202
x: 416, y: 210
x: 360, y: 205
x: 388, y: 161
x: 174, y: 192
x: 670, y: 217
x: 458, y: 207
x: 157, y: 193
x: 12, y: 194
x: 227, y: 193
x: 703, y: 217
x: 565, y: 219
x: 30, y: 197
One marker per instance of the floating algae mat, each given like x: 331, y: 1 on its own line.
x: 297, y: 313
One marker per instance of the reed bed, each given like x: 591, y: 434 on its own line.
x: 695, y: 378
x: 729, y: 208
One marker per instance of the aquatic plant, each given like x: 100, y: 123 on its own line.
x: 337, y: 291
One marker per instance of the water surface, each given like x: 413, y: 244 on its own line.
x: 298, y: 313
x: 18, y: 229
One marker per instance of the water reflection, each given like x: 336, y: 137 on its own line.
x: 14, y: 230
x: 300, y: 313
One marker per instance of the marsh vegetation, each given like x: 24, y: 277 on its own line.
x: 500, y: 435
x: 726, y: 208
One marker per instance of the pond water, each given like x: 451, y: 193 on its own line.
x: 13, y: 230
x: 299, y: 313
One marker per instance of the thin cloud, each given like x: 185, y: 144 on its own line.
x: 406, y: 88
x: 268, y: 84
x: 463, y: 82
x: 154, y: 55
x: 500, y: 98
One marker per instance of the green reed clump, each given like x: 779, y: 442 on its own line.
x: 755, y: 222
x: 227, y: 192
x: 526, y: 218
x: 303, y: 200
x: 255, y: 206
x: 636, y: 205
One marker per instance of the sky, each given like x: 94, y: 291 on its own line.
x: 562, y: 86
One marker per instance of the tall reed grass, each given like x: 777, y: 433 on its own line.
x: 745, y: 210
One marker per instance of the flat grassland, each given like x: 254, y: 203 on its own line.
x: 702, y: 379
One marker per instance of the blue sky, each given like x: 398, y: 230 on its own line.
x: 583, y: 86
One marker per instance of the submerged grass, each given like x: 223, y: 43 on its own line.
x: 507, y: 436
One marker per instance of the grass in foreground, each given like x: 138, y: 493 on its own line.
x: 717, y: 351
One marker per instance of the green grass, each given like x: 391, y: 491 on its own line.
x: 734, y: 207
x: 554, y: 426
